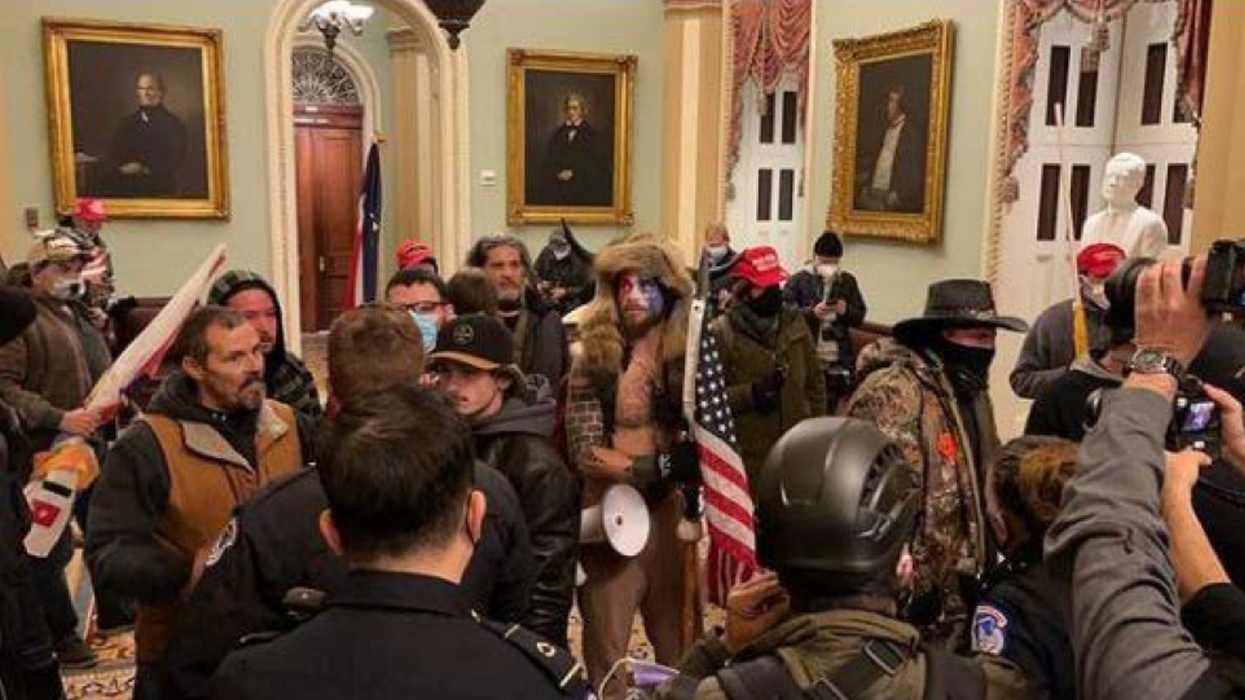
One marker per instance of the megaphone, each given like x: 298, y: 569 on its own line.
x: 620, y: 520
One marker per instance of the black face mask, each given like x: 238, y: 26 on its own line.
x: 768, y: 304
x: 968, y: 368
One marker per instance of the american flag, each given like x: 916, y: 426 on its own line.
x: 728, y: 505
x: 362, y: 285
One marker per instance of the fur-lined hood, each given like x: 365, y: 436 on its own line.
x: 598, y: 355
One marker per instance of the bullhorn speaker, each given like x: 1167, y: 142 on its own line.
x: 619, y: 520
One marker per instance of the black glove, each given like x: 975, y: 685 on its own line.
x: 681, y: 464
x: 766, y: 391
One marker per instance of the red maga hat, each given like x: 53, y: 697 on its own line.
x: 1099, y: 259
x: 412, y: 253
x: 760, y: 266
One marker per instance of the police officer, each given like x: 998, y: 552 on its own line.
x: 273, y: 545
x: 835, y: 512
x: 1018, y: 618
x: 405, y: 514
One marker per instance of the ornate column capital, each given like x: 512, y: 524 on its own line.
x: 691, y: 8
x: 404, y: 39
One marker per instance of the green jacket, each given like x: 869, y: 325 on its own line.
x: 816, y: 646
x: 746, y: 358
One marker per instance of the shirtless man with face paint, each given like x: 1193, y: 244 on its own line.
x: 623, y: 426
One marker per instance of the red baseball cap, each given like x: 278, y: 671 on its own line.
x: 1099, y: 259
x: 412, y: 253
x: 90, y: 210
x: 760, y: 267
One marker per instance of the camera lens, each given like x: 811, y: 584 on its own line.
x: 1121, y: 291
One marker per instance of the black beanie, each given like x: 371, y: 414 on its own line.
x: 829, y: 245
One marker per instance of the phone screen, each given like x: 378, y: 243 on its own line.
x: 1198, y: 417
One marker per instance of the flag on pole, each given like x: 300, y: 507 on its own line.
x: 142, y: 357
x: 365, y: 260
x: 728, y: 503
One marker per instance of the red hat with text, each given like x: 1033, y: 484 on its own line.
x: 760, y: 266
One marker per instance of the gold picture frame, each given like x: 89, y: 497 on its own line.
x: 550, y: 155
x: 890, y: 146
x: 136, y: 118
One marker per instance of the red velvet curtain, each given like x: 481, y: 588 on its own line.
x: 768, y: 38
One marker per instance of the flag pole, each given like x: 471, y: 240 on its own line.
x: 1080, y: 328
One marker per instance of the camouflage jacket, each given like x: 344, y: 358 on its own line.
x: 911, y: 401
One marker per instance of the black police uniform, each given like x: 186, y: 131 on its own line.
x: 395, y: 635
x: 1019, y: 619
x: 274, y: 544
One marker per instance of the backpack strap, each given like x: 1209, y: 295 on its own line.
x: 949, y: 676
x: 767, y: 678
x: 762, y: 678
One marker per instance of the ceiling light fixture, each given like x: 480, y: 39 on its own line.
x: 335, y: 15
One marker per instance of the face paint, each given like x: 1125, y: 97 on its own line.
x: 640, y: 300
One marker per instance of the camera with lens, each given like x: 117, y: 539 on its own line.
x: 1223, y: 285
x: 1194, y: 424
x: 1195, y: 420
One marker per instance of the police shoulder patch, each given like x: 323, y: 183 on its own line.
x: 223, y: 542
x: 989, y: 630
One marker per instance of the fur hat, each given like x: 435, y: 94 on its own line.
x: 599, y: 353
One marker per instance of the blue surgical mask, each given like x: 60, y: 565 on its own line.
x: 428, y: 326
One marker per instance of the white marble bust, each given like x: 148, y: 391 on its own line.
x: 1125, y: 223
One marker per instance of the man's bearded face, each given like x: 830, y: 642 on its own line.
x: 640, y: 302
x: 504, y: 267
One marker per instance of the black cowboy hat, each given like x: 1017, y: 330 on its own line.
x: 956, y: 304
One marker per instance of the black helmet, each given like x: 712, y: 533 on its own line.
x: 835, y: 503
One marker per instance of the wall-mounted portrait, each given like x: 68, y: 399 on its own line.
x: 890, y: 138
x: 569, y: 137
x: 137, y: 118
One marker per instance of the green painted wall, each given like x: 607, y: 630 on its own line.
x: 598, y: 26
x: 894, y: 276
x: 152, y: 257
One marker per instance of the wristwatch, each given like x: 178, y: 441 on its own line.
x: 1155, y: 361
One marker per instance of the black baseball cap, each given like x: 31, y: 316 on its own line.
x: 476, y: 340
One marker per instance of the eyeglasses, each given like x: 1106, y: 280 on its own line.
x: 423, y: 307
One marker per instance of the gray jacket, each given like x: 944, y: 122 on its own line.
x: 1109, y: 556
x: 1049, y: 347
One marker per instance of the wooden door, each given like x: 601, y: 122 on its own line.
x: 329, y: 153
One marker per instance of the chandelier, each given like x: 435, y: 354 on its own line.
x: 335, y: 15
x: 454, y: 16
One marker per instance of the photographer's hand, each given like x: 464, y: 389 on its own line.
x: 1171, y: 318
x: 1194, y: 559
x: 1231, y: 425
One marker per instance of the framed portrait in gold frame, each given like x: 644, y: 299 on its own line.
x: 568, y: 137
x: 136, y: 118
x: 890, y: 134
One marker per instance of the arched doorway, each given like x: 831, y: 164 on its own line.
x: 330, y: 133
x: 446, y: 164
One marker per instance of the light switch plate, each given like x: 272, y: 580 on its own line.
x: 488, y: 178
